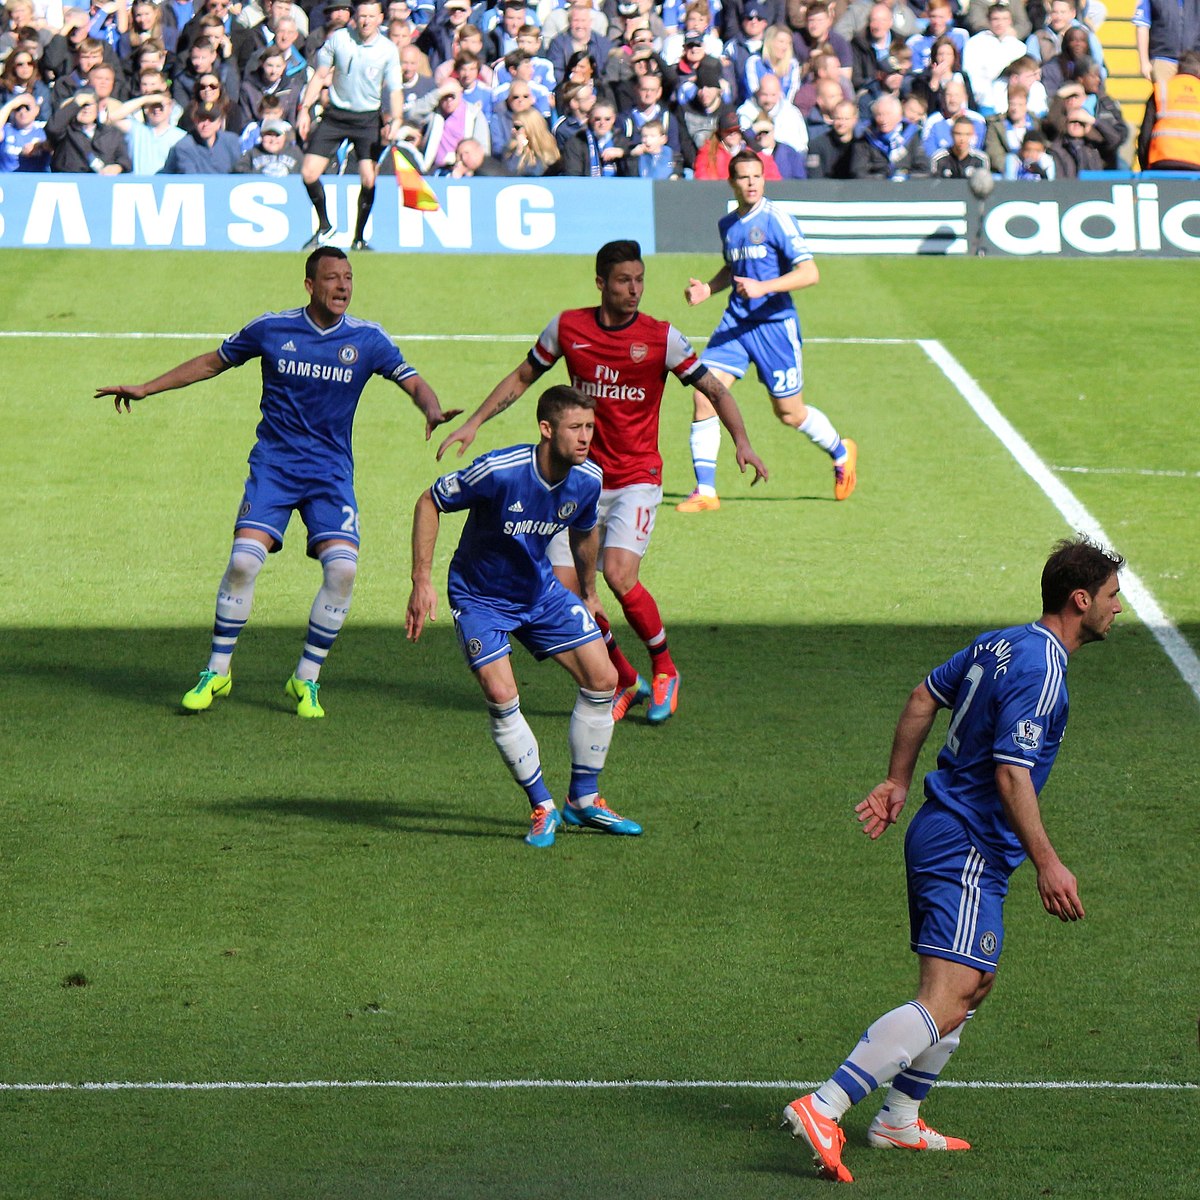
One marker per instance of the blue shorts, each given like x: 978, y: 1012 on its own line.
x: 955, y: 898
x: 327, y: 507
x: 772, y: 346
x: 558, y: 621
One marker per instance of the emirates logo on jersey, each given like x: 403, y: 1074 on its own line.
x: 638, y: 351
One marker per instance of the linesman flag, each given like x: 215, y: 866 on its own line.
x: 414, y: 191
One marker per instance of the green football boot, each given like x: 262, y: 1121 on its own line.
x: 208, y: 688
x: 304, y: 692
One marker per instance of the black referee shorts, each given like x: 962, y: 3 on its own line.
x: 339, y: 124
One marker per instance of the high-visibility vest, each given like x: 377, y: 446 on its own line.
x: 1176, y: 133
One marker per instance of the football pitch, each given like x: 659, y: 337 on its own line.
x: 248, y: 956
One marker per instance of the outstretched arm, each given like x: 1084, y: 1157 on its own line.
x: 886, y: 800
x: 508, y: 391
x: 726, y: 408
x: 204, y: 366
x: 422, y: 601
x: 425, y: 398
x: 1056, y: 885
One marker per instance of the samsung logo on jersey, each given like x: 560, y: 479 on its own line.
x: 307, y: 370
x: 546, y: 528
x: 608, y: 391
x: 738, y: 253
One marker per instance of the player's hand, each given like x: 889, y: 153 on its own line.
x: 422, y: 605
x: 747, y: 458
x: 1060, y: 892
x: 881, y: 808
x: 696, y: 292
x: 593, y: 605
x: 303, y: 123
x: 431, y: 423
x: 462, y: 437
x: 750, y: 289
x: 122, y: 395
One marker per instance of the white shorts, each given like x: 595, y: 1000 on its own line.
x: 626, y: 521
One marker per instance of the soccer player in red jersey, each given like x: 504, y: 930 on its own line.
x: 621, y: 357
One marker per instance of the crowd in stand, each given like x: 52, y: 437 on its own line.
x: 660, y: 89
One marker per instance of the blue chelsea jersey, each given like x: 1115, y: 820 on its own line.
x: 312, y: 379
x: 513, y: 512
x: 764, y: 243
x: 1007, y: 693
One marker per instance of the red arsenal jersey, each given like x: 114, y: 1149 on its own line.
x: 623, y: 368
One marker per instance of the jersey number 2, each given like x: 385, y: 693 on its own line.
x: 972, y: 678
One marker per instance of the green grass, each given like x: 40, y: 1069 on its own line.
x: 242, y: 897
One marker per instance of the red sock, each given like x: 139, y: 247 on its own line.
x: 642, y: 614
x: 626, y: 673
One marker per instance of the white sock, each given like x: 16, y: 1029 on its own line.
x: 911, y: 1086
x: 588, y: 736
x: 234, y: 598
x: 819, y: 429
x: 705, y: 441
x: 339, y: 564
x: 888, y: 1047
x: 519, y: 749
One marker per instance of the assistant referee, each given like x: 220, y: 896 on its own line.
x: 358, y: 65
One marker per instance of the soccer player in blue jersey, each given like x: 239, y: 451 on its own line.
x: 501, y: 583
x: 316, y: 361
x: 766, y: 259
x: 1007, y: 696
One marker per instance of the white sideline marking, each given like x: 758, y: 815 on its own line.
x: 1126, y: 471
x: 1139, y: 596
x: 498, y: 1085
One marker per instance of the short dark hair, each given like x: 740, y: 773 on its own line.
x: 612, y: 253
x: 740, y: 159
x: 310, y: 263
x: 555, y: 401
x: 1075, y: 563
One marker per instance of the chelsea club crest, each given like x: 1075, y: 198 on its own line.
x: 348, y: 355
x: 567, y: 511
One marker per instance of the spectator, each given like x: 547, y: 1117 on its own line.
x: 747, y: 44
x: 697, y: 31
x: 1043, y: 44
x: 272, y: 155
x: 786, y: 121
x: 871, y: 46
x: 80, y: 144
x: 1031, y: 163
x: 989, y: 52
x: 1064, y: 66
x: 532, y: 150
x: 23, y: 143
x: 822, y: 67
x: 576, y: 101
x: 1006, y: 132
x: 501, y: 40
x: 269, y: 109
x: 208, y: 90
x: 336, y: 16
x: 579, y: 35
x: 438, y: 37
x: 23, y: 77
x: 477, y: 87
x: 203, y: 60
x: 1110, y: 121
x: 1165, y: 30
x: 819, y: 33
x: 939, y: 129
x: 154, y: 83
x: 149, y: 56
x: 712, y: 162
x: 654, y: 156
x: 88, y: 53
x: 472, y: 160
x: 977, y: 16
x: 108, y: 21
x: 1104, y: 135
x: 788, y: 161
x: 416, y: 81
x: 959, y: 160
x: 150, y: 140
x: 268, y: 78
x: 890, y: 147
x: 944, y: 64
x: 778, y: 59
x: 19, y: 16
x: 901, y: 21
x: 699, y: 116
x: 648, y: 106
x: 61, y: 54
x: 145, y: 25
x: 600, y: 149
x: 452, y: 120
x: 831, y: 154
x: 1074, y: 150
x: 582, y: 68
x: 208, y: 148
x: 557, y: 18
x: 940, y: 25
x: 888, y: 81
x: 1022, y: 72
x: 266, y: 32
x: 529, y: 42
x: 819, y: 118
x: 688, y: 67
x: 1170, y: 135
x: 518, y: 99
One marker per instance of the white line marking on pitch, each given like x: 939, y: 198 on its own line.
x: 497, y: 1085
x: 1140, y: 598
x: 1126, y: 471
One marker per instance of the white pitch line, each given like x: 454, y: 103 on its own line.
x: 1077, y: 516
x: 1127, y: 471
x: 497, y: 1085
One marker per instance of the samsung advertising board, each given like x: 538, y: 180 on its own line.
x: 247, y: 212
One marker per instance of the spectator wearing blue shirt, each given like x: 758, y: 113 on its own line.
x: 208, y: 149
x: 23, y: 145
